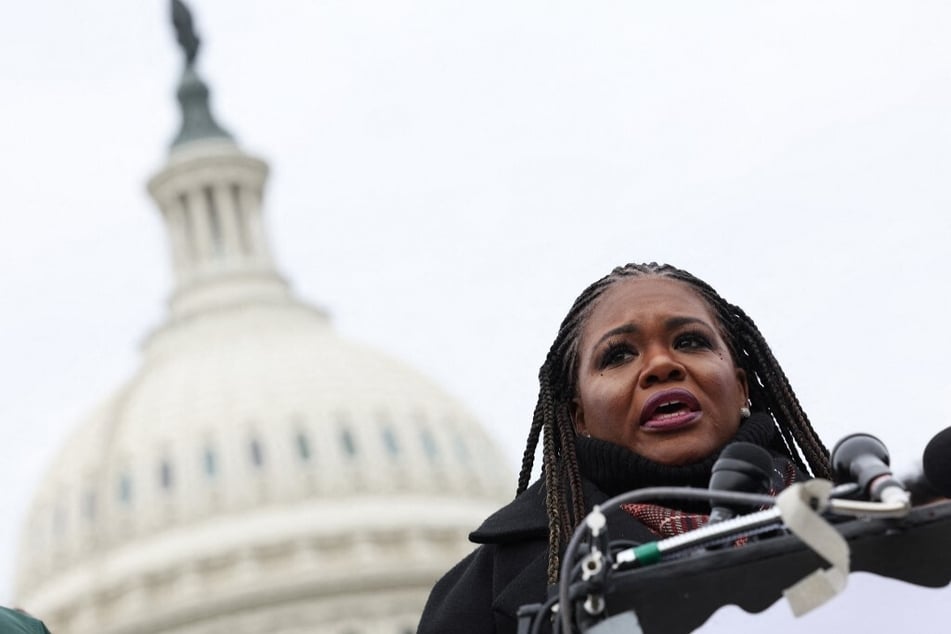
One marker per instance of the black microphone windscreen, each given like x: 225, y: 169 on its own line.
x: 859, y: 458
x: 741, y: 466
x: 936, y: 462
x: 920, y: 489
x: 748, y: 452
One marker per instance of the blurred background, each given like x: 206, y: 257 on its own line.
x: 447, y: 177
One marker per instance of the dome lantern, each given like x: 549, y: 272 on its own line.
x: 210, y: 193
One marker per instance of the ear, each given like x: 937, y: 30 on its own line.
x: 743, y: 385
x: 576, y: 411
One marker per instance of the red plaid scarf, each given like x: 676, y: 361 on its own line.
x: 665, y: 522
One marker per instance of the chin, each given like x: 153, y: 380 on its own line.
x: 678, y: 461
x: 676, y: 458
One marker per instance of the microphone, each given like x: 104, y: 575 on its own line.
x: 742, y: 467
x: 936, y: 462
x: 863, y: 458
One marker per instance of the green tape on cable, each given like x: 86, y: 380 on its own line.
x: 647, y: 554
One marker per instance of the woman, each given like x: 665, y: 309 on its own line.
x: 651, y: 375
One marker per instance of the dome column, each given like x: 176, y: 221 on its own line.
x: 209, y: 192
x: 222, y: 201
x: 179, y: 234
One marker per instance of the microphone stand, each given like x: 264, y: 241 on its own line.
x: 678, y: 596
x: 603, y: 574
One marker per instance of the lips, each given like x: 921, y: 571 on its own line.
x: 670, y: 410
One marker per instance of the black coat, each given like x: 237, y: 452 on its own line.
x: 483, y: 592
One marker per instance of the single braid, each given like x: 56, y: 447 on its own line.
x: 528, y: 457
x: 552, y: 503
x: 576, y: 512
x: 769, y: 391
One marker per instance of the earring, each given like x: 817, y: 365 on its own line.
x: 744, y: 412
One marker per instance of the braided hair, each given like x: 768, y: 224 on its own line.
x: 769, y: 392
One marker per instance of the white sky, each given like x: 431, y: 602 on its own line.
x: 448, y: 175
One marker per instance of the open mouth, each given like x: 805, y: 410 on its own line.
x: 670, y: 409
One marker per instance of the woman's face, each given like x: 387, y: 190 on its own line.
x: 654, y: 374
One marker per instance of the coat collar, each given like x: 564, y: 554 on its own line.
x: 525, y: 517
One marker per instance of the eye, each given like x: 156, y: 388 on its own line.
x: 616, y: 354
x: 693, y: 341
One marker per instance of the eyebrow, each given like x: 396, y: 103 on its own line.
x: 630, y: 329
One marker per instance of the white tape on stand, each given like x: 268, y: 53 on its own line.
x: 800, y: 506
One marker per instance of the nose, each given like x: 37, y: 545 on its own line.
x: 659, y: 367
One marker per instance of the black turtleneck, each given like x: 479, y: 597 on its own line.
x: 616, y: 469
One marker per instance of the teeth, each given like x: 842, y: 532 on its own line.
x: 678, y: 407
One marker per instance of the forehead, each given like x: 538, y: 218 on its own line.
x: 643, y: 299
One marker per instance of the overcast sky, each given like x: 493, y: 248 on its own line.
x: 448, y: 175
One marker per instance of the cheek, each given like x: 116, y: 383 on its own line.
x: 722, y: 386
x: 729, y: 385
x: 602, y: 403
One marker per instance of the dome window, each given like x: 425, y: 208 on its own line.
x: 429, y: 445
x: 302, y: 442
x: 124, y: 489
x: 166, y: 475
x: 210, y: 463
x: 348, y: 442
x: 390, y: 442
x: 257, y: 453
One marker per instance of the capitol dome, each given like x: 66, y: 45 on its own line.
x: 259, y: 472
